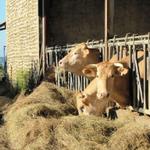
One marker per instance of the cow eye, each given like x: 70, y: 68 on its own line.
x: 83, y: 96
x: 75, y: 53
x: 96, y: 76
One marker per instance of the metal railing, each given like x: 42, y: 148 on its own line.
x: 128, y: 45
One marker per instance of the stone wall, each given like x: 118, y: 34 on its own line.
x: 22, y: 37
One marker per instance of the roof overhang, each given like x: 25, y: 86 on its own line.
x: 2, y: 26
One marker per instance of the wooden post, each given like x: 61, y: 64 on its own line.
x: 148, y: 71
x: 111, y: 17
x: 106, y: 29
x: 43, y: 37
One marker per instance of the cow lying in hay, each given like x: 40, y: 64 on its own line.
x: 89, y: 104
x: 112, y: 79
x: 109, y: 81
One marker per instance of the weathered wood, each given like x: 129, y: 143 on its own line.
x: 106, y: 29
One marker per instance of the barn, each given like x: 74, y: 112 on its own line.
x: 34, y: 28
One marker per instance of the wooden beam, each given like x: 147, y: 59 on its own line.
x: 43, y: 37
x: 106, y: 29
x: 111, y: 17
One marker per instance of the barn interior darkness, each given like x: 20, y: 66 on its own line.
x: 72, y: 21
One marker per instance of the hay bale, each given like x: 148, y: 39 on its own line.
x: 37, y: 111
x: 131, y: 136
x: 45, y: 120
x: 4, y: 144
x: 80, y: 132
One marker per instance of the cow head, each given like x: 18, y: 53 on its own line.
x: 74, y: 56
x: 106, y: 74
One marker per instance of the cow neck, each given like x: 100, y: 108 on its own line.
x: 121, y: 100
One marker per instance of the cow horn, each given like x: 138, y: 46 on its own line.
x: 118, y: 64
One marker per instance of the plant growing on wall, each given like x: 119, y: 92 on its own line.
x: 22, y: 80
x: 25, y: 80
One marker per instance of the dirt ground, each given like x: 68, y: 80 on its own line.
x: 47, y: 120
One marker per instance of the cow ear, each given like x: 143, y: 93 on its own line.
x: 84, y: 49
x: 85, y: 52
x: 83, y: 46
x: 121, y: 70
x: 90, y: 70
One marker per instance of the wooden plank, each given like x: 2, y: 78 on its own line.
x: 106, y: 29
x: 43, y: 36
x: 111, y: 17
x: 148, y: 70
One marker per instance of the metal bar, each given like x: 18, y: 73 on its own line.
x: 145, y: 77
x: 130, y: 56
x: 109, y: 44
x: 137, y: 73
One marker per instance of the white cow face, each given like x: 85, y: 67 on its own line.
x: 105, y: 74
x: 75, y: 57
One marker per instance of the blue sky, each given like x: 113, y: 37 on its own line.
x: 2, y: 19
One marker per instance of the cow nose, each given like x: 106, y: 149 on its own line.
x: 102, y: 95
x: 60, y: 62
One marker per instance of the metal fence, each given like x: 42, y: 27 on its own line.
x: 128, y: 45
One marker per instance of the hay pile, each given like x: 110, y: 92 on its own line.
x: 47, y: 120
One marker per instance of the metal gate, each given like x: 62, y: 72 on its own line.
x: 71, y: 81
x: 128, y: 45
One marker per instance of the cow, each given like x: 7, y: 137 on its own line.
x: 113, y: 78
x: 78, y: 57
x: 112, y: 81
x: 88, y: 103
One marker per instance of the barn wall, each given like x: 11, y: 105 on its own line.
x: 74, y: 21
x: 132, y: 16
x: 22, y: 37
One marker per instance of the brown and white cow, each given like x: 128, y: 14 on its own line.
x: 88, y: 103
x: 78, y: 57
x: 112, y: 81
x: 113, y: 78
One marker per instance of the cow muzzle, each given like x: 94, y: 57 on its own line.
x: 61, y: 63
